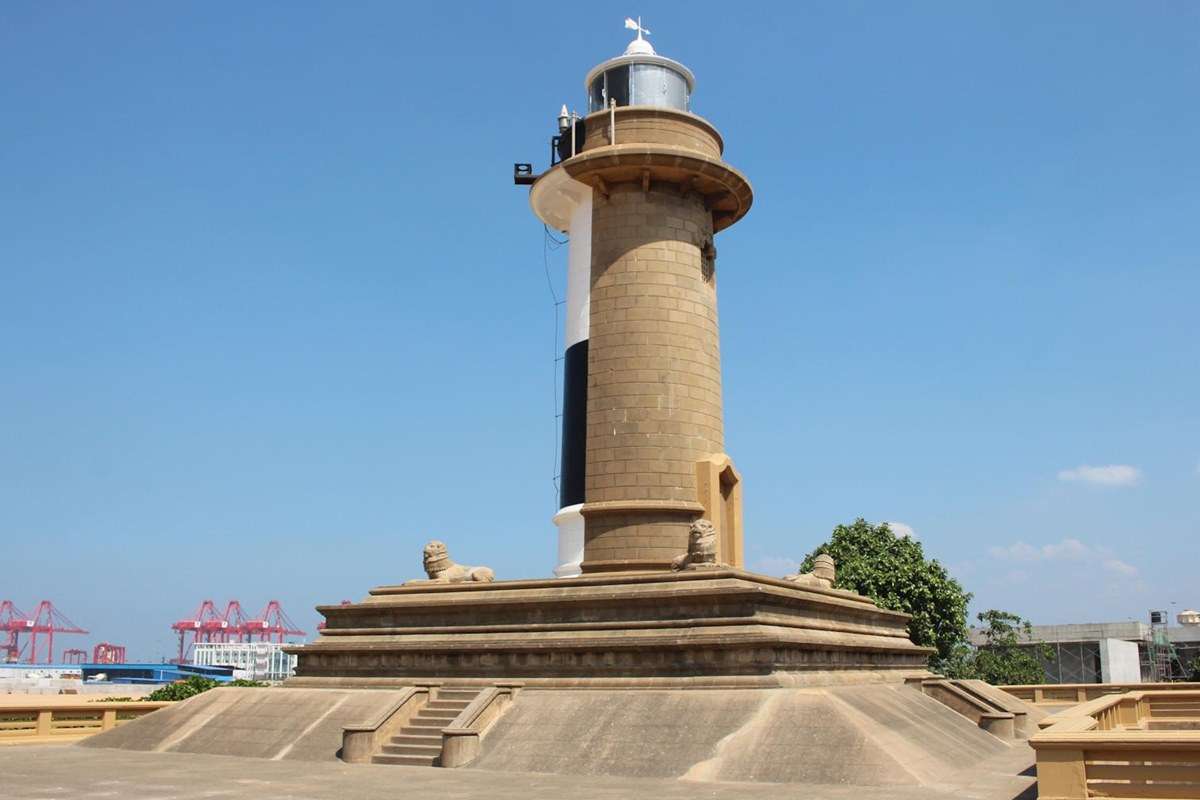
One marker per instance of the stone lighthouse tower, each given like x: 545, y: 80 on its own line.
x: 640, y: 187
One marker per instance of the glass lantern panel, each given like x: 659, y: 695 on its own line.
x: 655, y: 85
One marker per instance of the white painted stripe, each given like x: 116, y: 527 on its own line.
x: 579, y: 272
x: 555, y: 196
x: 288, y: 747
x: 570, y: 541
x: 204, y: 708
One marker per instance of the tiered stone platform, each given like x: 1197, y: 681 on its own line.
x: 698, y: 628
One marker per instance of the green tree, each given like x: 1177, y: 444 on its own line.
x: 1001, y: 659
x: 893, y: 571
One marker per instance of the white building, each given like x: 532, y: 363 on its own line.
x: 255, y: 661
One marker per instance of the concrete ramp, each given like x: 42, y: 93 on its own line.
x: 865, y: 735
x: 929, y: 739
x: 270, y: 723
x: 636, y: 733
x: 860, y: 735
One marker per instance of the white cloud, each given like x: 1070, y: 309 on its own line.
x: 1120, y: 567
x: 1111, y: 475
x: 1018, y: 551
x: 1069, y: 549
x: 1066, y: 550
x: 902, y: 530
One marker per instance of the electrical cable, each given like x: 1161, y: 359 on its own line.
x: 549, y: 242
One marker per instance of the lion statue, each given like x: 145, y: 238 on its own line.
x: 823, y: 573
x: 441, y: 569
x: 702, y: 548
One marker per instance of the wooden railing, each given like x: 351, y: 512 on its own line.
x: 1072, y: 693
x: 68, y: 721
x: 1137, y: 744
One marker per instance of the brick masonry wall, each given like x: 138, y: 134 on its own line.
x: 651, y: 126
x: 654, y: 370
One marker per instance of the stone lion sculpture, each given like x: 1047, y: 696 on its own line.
x: 823, y: 573
x: 702, y: 548
x: 441, y: 569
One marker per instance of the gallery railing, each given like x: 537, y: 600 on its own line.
x: 1137, y: 744
x: 73, y: 721
x: 1072, y: 693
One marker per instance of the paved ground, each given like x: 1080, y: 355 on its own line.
x: 65, y: 771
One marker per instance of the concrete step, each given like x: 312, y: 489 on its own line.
x: 422, y: 736
x: 457, y: 705
x: 408, y: 761
x: 427, y: 722
x: 438, y: 713
x: 423, y: 733
x: 431, y: 750
x: 458, y: 694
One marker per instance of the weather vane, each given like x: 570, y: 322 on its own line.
x: 636, y: 25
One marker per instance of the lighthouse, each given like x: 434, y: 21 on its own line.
x: 651, y: 505
x: 639, y: 186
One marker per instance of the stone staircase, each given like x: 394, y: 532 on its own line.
x: 419, y: 743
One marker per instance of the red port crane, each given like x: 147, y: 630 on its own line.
x: 206, y: 625
x: 202, y: 625
x: 272, y: 622
x: 74, y: 656
x: 105, y: 653
x: 48, y: 620
x: 235, y: 624
x: 13, y: 622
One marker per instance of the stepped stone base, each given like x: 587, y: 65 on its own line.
x: 840, y: 740
x: 837, y: 735
x: 700, y: 628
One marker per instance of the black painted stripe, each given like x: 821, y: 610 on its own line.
x: 574, y: 425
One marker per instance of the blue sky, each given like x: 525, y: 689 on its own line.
x: 272, y: 313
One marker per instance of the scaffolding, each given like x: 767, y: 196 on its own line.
x: 1160, y: 661
x: 255, y: 661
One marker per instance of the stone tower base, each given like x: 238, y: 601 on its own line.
x: 698, y: 628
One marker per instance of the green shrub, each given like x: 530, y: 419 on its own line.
x: 194, y: 685
x: 182, y: 690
